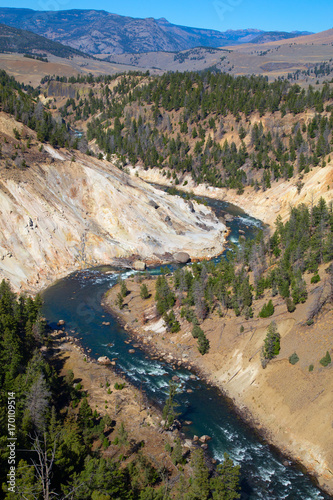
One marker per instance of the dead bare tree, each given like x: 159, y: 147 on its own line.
x: 44, y: 464
x: 43, y: 467
x: 37, y: 402
x: 318, y: 303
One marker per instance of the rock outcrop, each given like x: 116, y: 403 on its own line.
x: 60, y: 215
x: 182, y: 257
x: 104, y: 360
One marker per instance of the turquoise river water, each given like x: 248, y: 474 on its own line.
x: 77, y: 300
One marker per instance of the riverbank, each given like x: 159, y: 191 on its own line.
x: 264, y: 205
x: 127, y: 405
x: 289, y: 405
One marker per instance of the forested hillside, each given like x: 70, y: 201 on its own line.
x: 22, y: 41
x: 278, y: 264
x: 21, y: 102
x: 225, y: 131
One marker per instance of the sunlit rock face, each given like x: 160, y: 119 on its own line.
x: 60, y: 215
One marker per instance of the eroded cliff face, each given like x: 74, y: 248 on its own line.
x: 264, y: 205
x: 58, y: 215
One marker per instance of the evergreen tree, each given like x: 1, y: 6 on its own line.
x: 267, y: 310
x: 200, y: 487
x: 272, y: 342
x: 225, y: 485
x: 144, y: 294
x: 168, y: 412
x: 177, y: 453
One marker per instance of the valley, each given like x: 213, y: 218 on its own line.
x: 90, y: 130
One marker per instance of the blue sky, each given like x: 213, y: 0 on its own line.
x: 282, y: 15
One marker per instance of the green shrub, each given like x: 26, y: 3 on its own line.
x: 293, y: 359
x: 241, y: 329
x: 311, y: 368
x: 203, y: 344
x: 290, y: 305
x: 119, y: 387
x: 144, y: 294
x: 326, y: 360
x: 267, y: 310
x: 196, y: 331
x: 315, y: 278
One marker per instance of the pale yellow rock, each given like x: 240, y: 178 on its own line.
x: 63, y: 215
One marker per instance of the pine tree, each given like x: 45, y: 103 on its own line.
x: 177, y: 453
x: 225, y: 485
x: 168, y: 412
x: 203, y: 344
x: 144, y: 294
x: 272, y: 342
x: 199, y: 489
x: 267, y: 310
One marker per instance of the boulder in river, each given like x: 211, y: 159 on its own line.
x: 138, y: 265
x: 61, y: 322
x: 181, y: 257
x: 104, y: 360
x: 205, y: 438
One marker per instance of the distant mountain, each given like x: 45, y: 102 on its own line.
x: 22, y: 41
x: 273, y: 36
x: 100, y: 32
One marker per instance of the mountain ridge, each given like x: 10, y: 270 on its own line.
x: 101, y: 32
x: 23, y: 41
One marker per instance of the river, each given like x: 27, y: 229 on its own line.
x: 77, y: 300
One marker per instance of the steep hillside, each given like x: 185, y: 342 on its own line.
x: 224, y: 131
x: 100, y: 32
x: 62, y: 211
x: 21, y: 41
x: 259, y: 325
x: 288, y: 403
